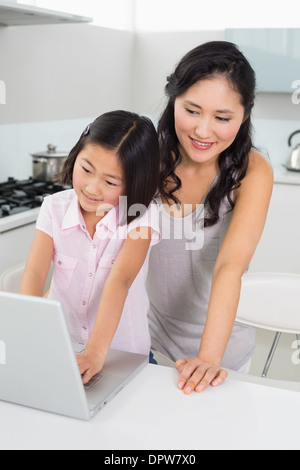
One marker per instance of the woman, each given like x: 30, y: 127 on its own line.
x: 207, y: 158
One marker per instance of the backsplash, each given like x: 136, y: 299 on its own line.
x: 271, y: 138
x: 18, y: 141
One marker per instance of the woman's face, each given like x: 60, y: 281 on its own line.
x: 208, y: 117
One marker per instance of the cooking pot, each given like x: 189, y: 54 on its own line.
x: 293, y: 163
x: 47, y: 165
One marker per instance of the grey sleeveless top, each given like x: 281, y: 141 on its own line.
x: 179, y: 285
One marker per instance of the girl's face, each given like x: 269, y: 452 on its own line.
x: 208, y: 117
x: 98, y: 178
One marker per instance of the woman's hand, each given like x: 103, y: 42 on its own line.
x: 196, y: 374
x: 89, y: 363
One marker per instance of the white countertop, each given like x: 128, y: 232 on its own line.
x: 150, y: 413
x: 284, y: 176
x: 19, y: 220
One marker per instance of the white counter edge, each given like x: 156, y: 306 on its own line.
x: 18, y: 220
x: 284, y: 176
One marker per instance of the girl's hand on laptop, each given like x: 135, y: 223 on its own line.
x: 89, y: 363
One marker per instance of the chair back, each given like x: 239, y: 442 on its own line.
x: 270, y: 301
x: 11, y: 279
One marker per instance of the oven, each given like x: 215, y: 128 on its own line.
x: 20, y: 203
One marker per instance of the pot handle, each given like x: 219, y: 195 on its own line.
x: 40, y: 160
x: 291, y: 136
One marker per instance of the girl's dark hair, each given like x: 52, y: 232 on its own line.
x: 134, y: 139
x: 210, y: 60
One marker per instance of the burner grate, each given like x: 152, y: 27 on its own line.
x: 20, y: 196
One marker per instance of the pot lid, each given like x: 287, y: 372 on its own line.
x: 51, y: 152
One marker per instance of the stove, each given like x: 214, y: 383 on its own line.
x: 17, y: 197
x: 20, y: 203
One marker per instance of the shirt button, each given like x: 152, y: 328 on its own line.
x: 84, y: 328
x: 94, y: 247
x: 90, y: 274
x: 113, y: 261
x: 60, y: 263
x: 84, y: 302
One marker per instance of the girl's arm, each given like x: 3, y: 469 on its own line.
x: 251, y: 206
x: 38, y: 265
x: 125, y: 269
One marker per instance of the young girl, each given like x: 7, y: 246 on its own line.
x: 99, y: 250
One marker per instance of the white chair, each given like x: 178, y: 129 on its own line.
x: 10, y: 280
x: 271, y: 301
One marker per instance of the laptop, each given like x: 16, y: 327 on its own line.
x: 38, y: 366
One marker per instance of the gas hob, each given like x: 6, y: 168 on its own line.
x: 20, y: 201
x: 20, y: 196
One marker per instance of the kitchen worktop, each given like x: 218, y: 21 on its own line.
x: 284, y: 176
x: 18, y: 220
x: 151, y: 413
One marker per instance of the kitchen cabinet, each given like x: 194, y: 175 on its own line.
x: 15, y: 245
x: 16, y: 14
x: 273, y: 53
x: 278, y: 250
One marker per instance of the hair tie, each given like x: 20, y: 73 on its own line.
x: 87, y: 130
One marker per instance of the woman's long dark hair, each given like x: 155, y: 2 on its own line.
x: 210, y: 60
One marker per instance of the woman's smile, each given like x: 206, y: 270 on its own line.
x: 201, y: 145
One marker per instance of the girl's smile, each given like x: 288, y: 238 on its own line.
x: 90, y: 199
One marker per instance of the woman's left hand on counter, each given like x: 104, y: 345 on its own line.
x: 197, y: 375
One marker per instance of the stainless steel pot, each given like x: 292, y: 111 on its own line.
x: 47, y: 165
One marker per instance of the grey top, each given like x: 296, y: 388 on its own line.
x: 179, y: 285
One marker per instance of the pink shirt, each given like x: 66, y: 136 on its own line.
x: 82, y: 265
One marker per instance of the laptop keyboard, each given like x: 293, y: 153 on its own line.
x: 93, y: 381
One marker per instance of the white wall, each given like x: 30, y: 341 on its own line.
x: 175, y: 15
x: 197, y: 15
x: 155, y: 57
x: 58, y: 79
x: 64, y: 72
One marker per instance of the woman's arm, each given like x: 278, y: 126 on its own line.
x: 251, y: 207
x: 128, y: 264
x: 38, y: 265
